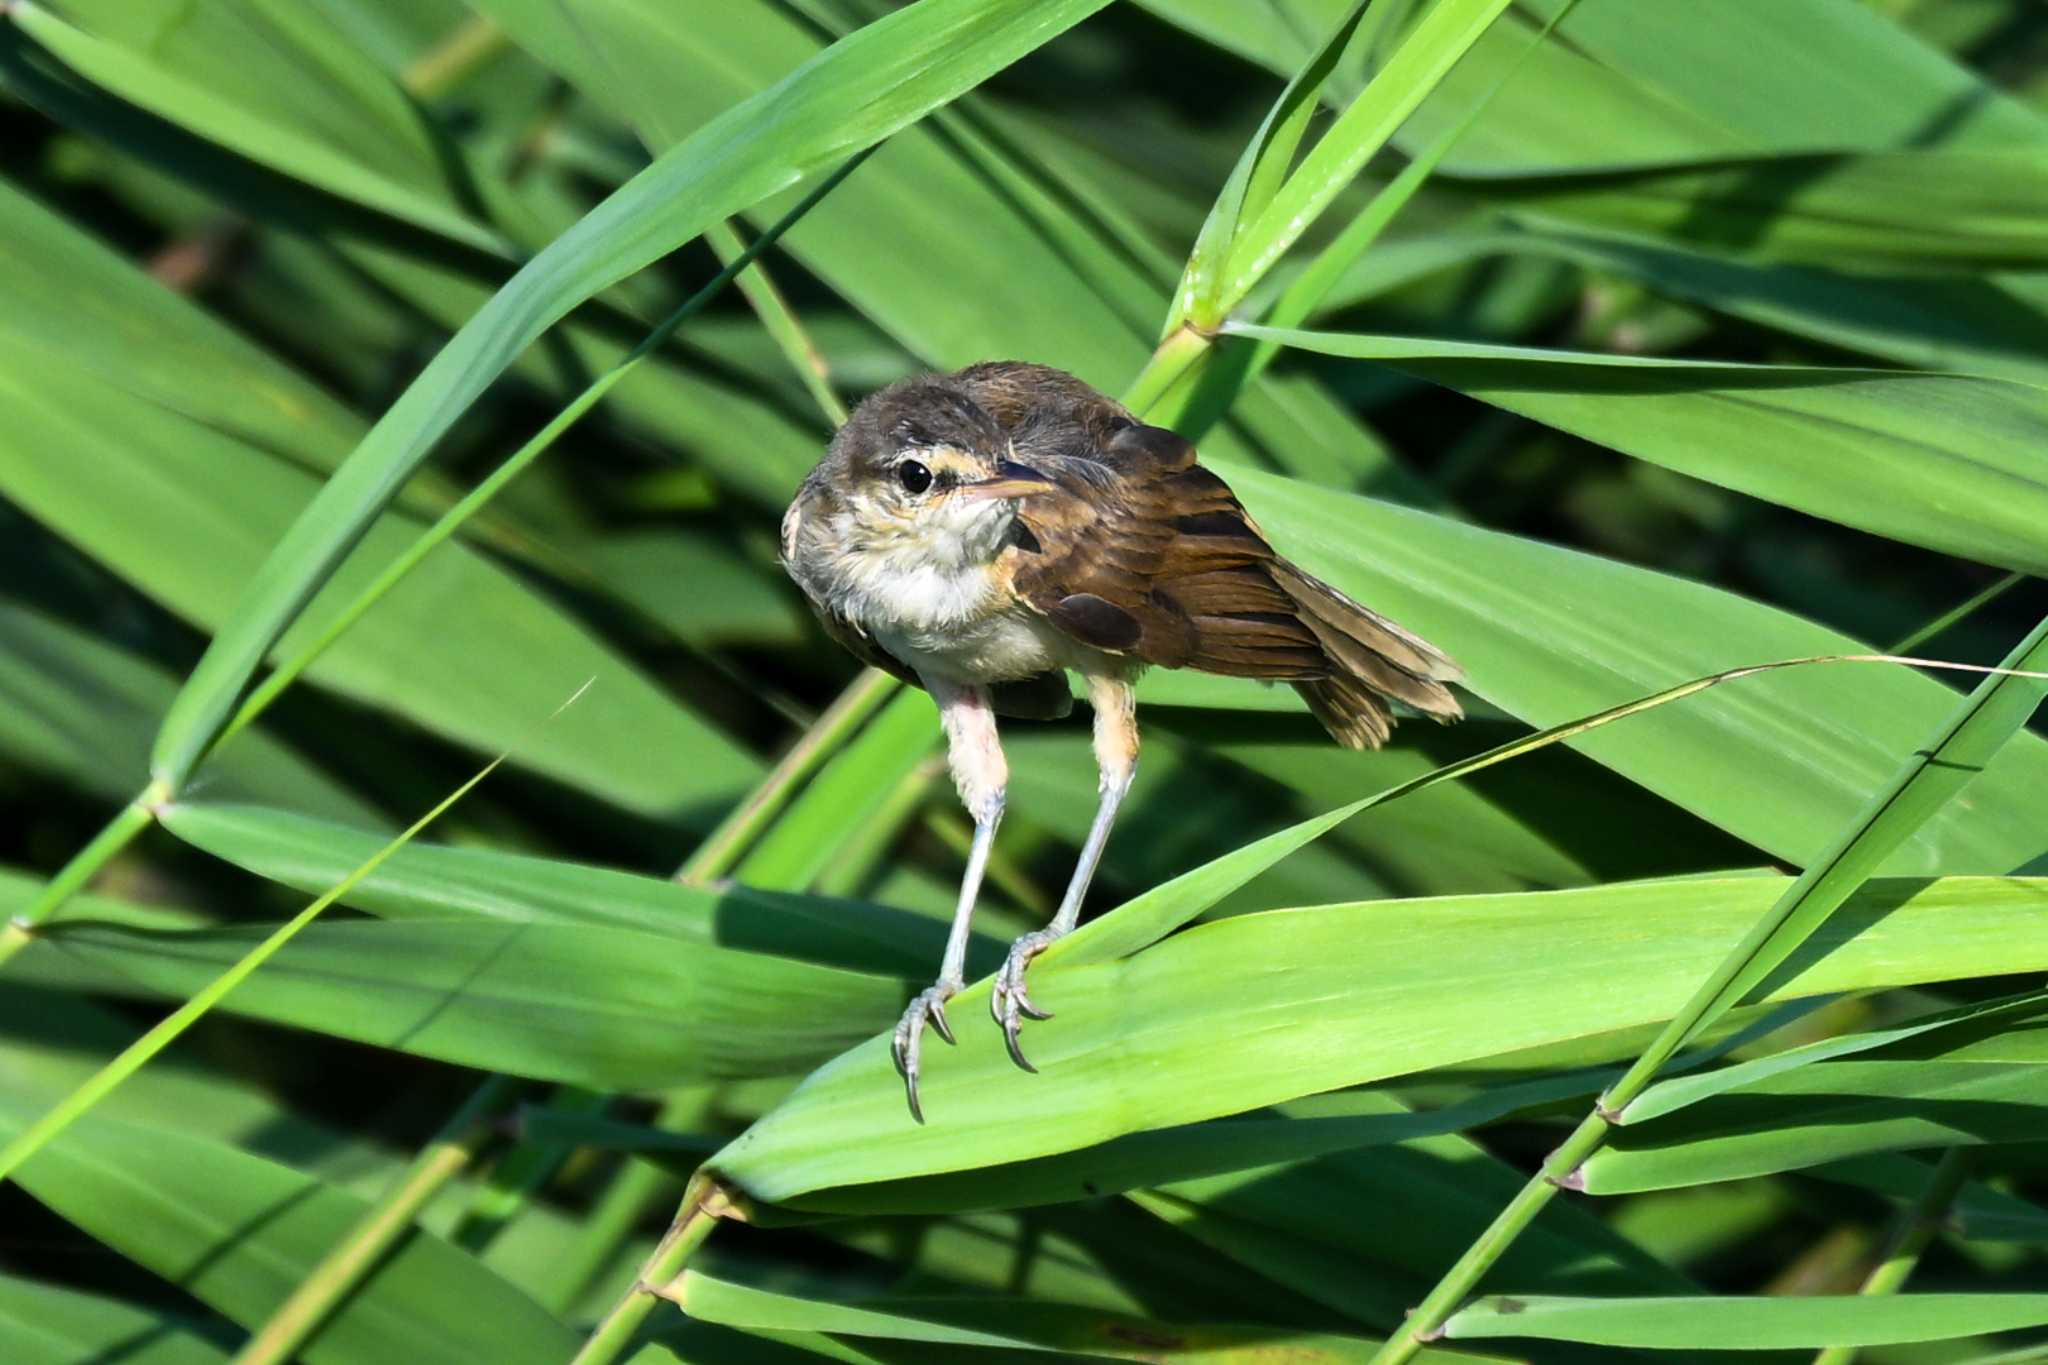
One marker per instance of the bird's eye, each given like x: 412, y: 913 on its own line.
x: 914, y: 477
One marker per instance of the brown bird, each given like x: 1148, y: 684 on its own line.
x: 982, y: 533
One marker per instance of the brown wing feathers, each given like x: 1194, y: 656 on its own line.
x: 1151, y: 555
x: 1154, y: 556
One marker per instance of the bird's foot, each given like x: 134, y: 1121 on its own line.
x: 928, y: 1007
x: 1010, y: 1003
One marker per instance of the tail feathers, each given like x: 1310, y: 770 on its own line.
x: 1375, y: 661
x: 1354, y: 717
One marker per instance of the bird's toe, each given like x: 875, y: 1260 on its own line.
x: 1010, y: 1002
x: 908, y: 1043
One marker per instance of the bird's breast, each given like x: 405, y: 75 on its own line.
x: 998, y: 647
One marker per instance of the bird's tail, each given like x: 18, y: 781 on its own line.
x: 1372, y: 661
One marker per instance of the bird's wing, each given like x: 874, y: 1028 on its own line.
x: 1144, y: 553
x: 860, y: 644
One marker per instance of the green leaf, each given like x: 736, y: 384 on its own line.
x: 674, y: 399
x: 1933, y: 460
x: 848, y: 797
x: 1258, y: 174
x: 84, y: 307
x: 1317, y: 1224
x: 211, y: 110
x: 1980, y: 1078
x: 858, y: 92
x: 1970, y: 325
x: 46, y: 1324
x: 1300, y: 1001
x: 1928, y: 779
x: 1667, y: 1097
x: 1949, y: 210
x: 1781, y: 761
x: 238, y: 1232
x: 187, y: 512
x: 77, y: 707
x: 1068, y: 290
x: 1749, y: 1324
x: 1632, y: 85
x: 1823, y: 1113
x: 1109, y: 1257
x: 667, y: 71
x: 209, y: 992
x: 1017, y: 1324
x: 1187, y: 1153
x: 699, y: 590
x: 1979, y: 1214
x: 52, y: 1042
x: 612, y: 1009
x: 1446, y: 30
x: 430, y: 882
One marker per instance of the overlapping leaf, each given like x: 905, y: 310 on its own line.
x: 1913, y: 1088
x: 609, y: 1008
x: 239, y: 1232
x: 83, y: 710
x: 865, y: 88
x: 48, y: 1324
x: 1302, y: 1001
x: 1937, y: 460
x: 1780, y: 761
x: 430, y: 882
x: 1751, y: 1324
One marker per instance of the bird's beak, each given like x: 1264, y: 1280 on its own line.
x: 1011, y: 480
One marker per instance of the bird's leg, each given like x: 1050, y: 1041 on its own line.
x: 981, y: 774
x: 1116, y: 756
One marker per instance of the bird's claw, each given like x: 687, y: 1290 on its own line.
x: 1010, y: 1002
x: 928, y: 1007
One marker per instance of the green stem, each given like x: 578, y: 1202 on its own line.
x: 119, y: 832
x: 1917, y: 1223
x: 1308, y: 289
x: 349, y: 1260
x: 168, y: 1029
x: 442, y: 67
x: 1004, y: 873
x: 1819, y: 890
x: 717, y: 855
x: 1175, y: 360
x: 864, y: 849
x: 704, y: 1203
x: 610, y: 1224
x: 1425, y: 1323
x: 780, y: 321
x: 517, y: 1175
x: 1955, y: 614
x: 450, y: 521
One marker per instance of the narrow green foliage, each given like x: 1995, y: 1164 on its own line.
x: 1446, y: 31
x: 1258, y: 174
x: 343, y: 1269
x: 1925, y: 782
x: 860, y: 91
x: 1661, y: 340
x: 1754, y: 1324
x: 39, y: 1134
x: 453, y: 520
x: 1910, y: 1236
x: 211, y: 115
x: 129, y: 821
x: 1929, y: 459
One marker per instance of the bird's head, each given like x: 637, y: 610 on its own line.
x: 922, y: 475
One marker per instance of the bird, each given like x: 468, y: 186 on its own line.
x: 982, y: 534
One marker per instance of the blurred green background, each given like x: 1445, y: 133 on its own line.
x: 232, y: 232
